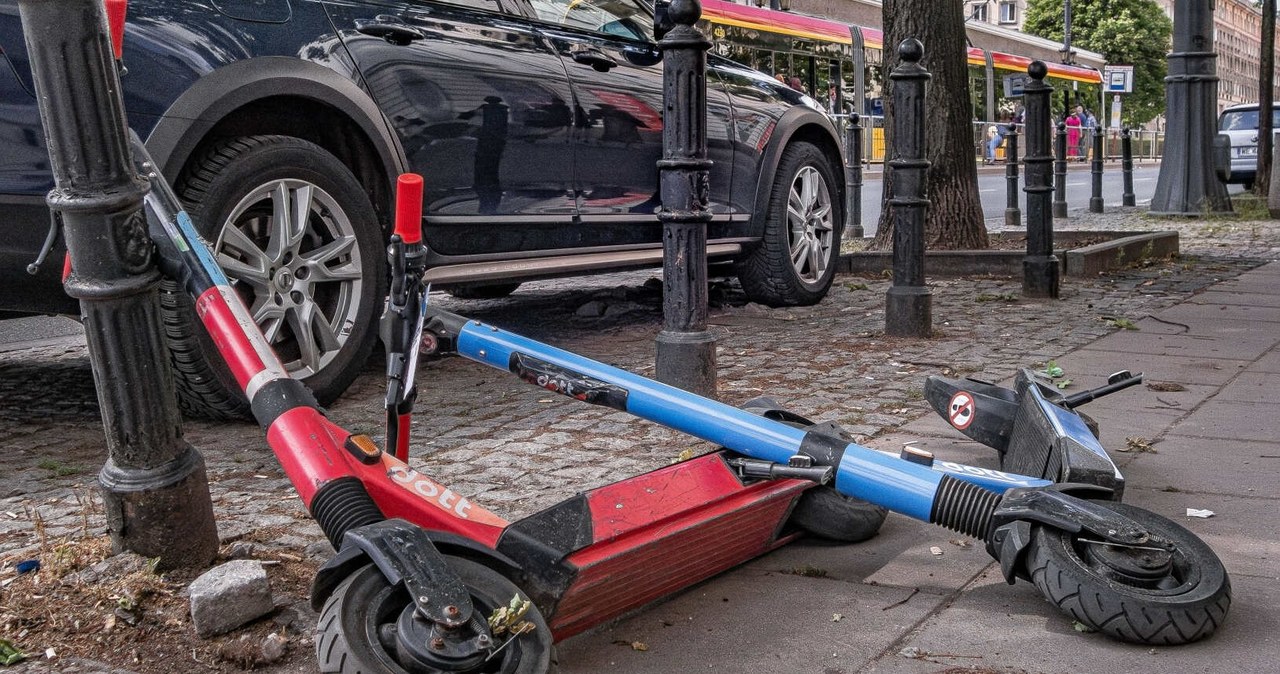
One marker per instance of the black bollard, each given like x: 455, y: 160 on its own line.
x: 154, y: 483
x: 853, y: 176
x: 1095, y: 196
x: 1188, y: 184
x: 1040, y: 267
x: 1126, y: 167
x: 1060, y: 172
x: 686, y: 350
x: 908, y: 307
x: 1012, y: 215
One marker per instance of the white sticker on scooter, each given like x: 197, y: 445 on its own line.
x: 961, y: 410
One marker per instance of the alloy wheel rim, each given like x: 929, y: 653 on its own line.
x: 810, y: 225
x: 291, y: 252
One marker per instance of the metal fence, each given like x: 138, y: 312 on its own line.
x: 1146, y: 144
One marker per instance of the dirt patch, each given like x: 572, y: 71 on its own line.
x: 85, y: 604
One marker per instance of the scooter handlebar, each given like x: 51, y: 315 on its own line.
x: 409, y: 208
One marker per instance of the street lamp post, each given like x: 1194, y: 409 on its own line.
x: 1187, y: 184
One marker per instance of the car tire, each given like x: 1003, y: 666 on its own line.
x: 325, y: 280
x: 796, y: 259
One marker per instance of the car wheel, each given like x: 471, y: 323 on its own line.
x: 300, y: 242
x: 796, y: 259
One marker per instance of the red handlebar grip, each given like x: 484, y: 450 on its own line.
x: 116, y: 10
x: 409, y: 207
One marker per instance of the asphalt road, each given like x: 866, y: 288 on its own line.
x: 993, y: 185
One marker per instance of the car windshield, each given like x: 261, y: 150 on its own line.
x: 1245, y: 120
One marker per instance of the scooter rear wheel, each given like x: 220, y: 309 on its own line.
x: 355, y: 633
x: 826, y: 513
x: 1137, y: 594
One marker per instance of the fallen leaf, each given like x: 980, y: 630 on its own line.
x: 1081, y: 627
x: 1136, y: 444
x: 639, y: 646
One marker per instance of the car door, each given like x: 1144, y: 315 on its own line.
x: 25, y: 178
x: 482, y: 107
x: 615, y: 69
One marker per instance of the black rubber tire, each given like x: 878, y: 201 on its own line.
x: 767, y: 274
x: 1193, y: 605
x: 482, y: 291
x: 212, y: 186
x: 364, y: 600
x: 826, y: 513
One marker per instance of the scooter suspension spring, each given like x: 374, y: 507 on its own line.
x: 964, y: 507
x: 343, y: 505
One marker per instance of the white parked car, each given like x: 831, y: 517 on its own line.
x: 1240, y: 123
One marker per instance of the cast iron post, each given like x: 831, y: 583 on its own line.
x: 908, y: 307
x: 1012, y: 215
x: 1095, y: 196
x: 1040, y: 267
x: 154, y: 483
x: 686, y: 350
x: 1060, y: 172
x: 1187, y: 184
x: 853, y: 176
x: 1126, y: 167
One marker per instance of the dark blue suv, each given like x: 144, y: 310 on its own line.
x: 537, y: 125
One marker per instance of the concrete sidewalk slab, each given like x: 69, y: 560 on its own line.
x: 1018, y: 634
x: 1241, y: 531
x: 749, y: 621
x: 1087, y: 362
x: 1233, y: 420
x: 1191, y: 312
x: 1231, y: 343
x: 1213, y: 466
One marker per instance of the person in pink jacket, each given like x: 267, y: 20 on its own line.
x: 1074, y: 123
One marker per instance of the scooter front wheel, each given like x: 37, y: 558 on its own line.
x: 357, y: 630
x: 1140, y: 594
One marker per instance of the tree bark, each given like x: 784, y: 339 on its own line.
x: 955, y: 216
x: 1266, y: 90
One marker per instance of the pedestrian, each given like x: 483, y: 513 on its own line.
x: 1088, y: 125
x: 1073, y: 122
x: 995, y: 138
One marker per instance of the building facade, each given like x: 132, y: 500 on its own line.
x: 1237, y: 39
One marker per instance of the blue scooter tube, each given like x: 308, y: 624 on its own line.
x: 898, y: 485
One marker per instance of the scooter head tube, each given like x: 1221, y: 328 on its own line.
x: 982, y: 411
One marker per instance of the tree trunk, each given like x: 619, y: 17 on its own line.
x: 955, y: 215
x: 1266, y: 90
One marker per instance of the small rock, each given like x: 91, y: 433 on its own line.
x: 319, y: 551
x: 242, y: 550
x: 273, y: 648
x: 592, y: 309
x: 228, y: 596
x: 115, y: 566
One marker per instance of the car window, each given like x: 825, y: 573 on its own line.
x: 621, y: 18
x: 1245, y: 120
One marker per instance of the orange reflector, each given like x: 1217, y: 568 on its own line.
x: 363, y: 448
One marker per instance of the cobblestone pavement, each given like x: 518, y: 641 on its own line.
x: 517, y: 449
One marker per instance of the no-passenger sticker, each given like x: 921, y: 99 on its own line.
x: 961, y: 410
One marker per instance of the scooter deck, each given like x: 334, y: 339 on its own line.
x: 632, y: 542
